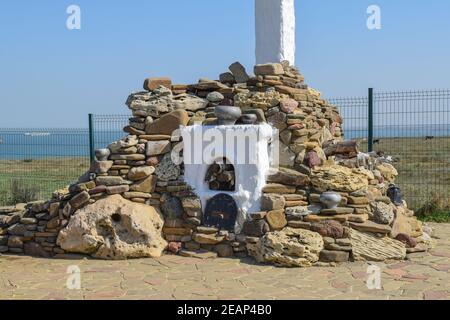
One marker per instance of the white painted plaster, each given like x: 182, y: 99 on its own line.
x: 275, y: 31
x: 250, y: 176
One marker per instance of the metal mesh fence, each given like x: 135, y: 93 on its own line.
x: 354, y: 111
x: 35, y: 162
x: 108, y: 128
x: 414, y: 128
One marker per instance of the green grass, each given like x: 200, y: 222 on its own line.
x: 440, y: 216
x: 424, y: 169
x: 21, y: 179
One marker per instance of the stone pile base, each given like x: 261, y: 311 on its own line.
x: 133, y: 202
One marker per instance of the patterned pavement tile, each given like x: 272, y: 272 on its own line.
x: 423, y: 276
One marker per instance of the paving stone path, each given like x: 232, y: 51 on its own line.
x: 423, y: 276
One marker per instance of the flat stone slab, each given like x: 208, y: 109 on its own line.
x: 370, y: 226
x: 200, y: 254
x: 5, y: 210
x: 366, y: 246
x: 336, y: 211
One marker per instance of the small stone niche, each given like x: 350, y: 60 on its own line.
x: 221, y: 176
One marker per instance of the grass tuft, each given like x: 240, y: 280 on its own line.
x: 22, y: 193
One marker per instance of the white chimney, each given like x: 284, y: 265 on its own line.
x: 275, y: 31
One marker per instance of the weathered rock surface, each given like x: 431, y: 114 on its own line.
x: 368, y: 247
x: 258, y: 100
x: 101, y: 167
x: 405, y: 224
x: 239, y: 72
x: 167, y: 170
x: 289, y: 177
x: 146, y: 185
x: 151, y: 84
x: 334, y: 256
x: 198, y: 254
x: 271, y: 202
x: 286, y: 156
x: 190, y: 102
x: 156, y: 148
x: 338, y: 178
x: 278, y: 188
x: 276, y: 219
x: 168, y: 123
x: 140, y: 173
x: 224, y: 250
x: 35, y: 250
x: 125, y: 143
x: 269, y: 69
x: 109, y: 181
x: 383, y: 213
x: 114, y: 228
x: 256, y: 228
x: 288, y: 248
x: 171, y: 207
x: 387, y: 171
x: 407, y: 240
x: 207, y: 238
x: 328, y: 228
x: 215, y: 97
x: 370, y: 226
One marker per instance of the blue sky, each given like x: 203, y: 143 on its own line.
x: 53, y: 77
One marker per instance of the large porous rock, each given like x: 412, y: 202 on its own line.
x: 338, y: 178
x: 167, y: 170
x: 151, y: 103
x: 382, y: 213
x: 190, y: 102
x: 387, y: 171
x: 114, y: 228
x: 369, y: 247
x: 125, y: 143
x: 288, y: 248
x: 258, y: 100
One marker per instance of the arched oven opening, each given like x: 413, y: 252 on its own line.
x: 221, y: 176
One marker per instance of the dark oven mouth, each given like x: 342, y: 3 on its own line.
x: 221, y: 212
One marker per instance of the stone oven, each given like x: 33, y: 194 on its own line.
x: 239, y: 155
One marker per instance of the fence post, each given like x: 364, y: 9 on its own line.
x: 91, y: 138
x: 370, y: 124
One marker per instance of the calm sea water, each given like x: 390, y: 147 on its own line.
x: 35, y: 144
x: 42, y: 143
